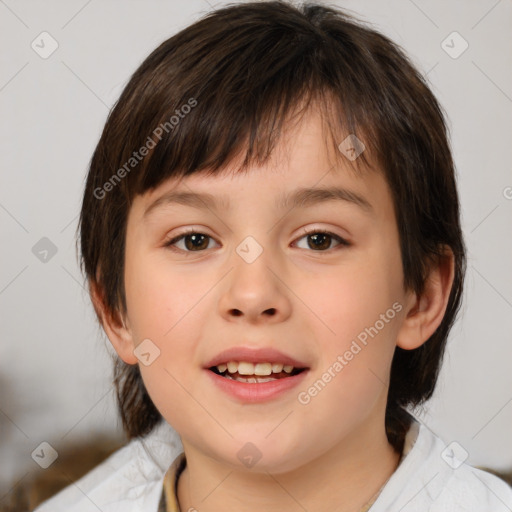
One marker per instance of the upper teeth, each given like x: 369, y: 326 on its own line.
x: 244, y: 368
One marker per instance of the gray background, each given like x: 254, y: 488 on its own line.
x: 54, y: 363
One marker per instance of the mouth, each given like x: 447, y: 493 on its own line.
x: 255, y: 373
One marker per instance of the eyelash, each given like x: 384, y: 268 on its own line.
x: 341, y: 241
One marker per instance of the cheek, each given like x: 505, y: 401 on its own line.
x: 352, y: 298
x: 169, y: 305
x: 359, y: 306
x: 162, y: 299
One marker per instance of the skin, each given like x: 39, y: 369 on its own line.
x: 308, y: 303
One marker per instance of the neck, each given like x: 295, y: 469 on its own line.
x: 353, y: 472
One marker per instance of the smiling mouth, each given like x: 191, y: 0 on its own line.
x: 255, y: 372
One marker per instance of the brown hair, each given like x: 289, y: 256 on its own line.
x: 226, y: 85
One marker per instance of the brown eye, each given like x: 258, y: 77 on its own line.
x: 190, y: 242
x: 321, y: 241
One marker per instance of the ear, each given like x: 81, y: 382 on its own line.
x: 426, y: 312
x: 114, y: 325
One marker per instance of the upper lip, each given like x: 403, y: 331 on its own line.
x: 254, y: 355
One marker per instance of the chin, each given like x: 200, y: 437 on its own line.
x: 261, y: 455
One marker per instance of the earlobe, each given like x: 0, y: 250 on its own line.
x: 426, y: 312
x: 114, y: 326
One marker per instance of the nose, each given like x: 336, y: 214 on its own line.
x: 255, y: 292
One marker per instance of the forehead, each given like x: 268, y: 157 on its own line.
x: 307, y: 166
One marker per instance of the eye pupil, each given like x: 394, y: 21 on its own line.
x: 320, y: 237
x: 198, y: 237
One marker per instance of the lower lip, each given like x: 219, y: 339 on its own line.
x: 256, y: 392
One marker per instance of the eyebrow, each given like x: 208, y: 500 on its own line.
x: 302, y: 198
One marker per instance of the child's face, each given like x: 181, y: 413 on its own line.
x: 307, y: 297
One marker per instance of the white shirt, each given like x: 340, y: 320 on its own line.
x: 430, y: 478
